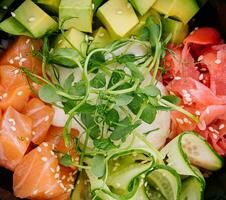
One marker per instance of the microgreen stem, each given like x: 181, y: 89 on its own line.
x: 84, y: 148
x: 157, y: 62
x: 178, y: 108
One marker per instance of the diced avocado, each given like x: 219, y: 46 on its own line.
x: 142, y: 6
x: 182, y: 10
x: 76, y: 14
x: 142, y: 21
x: 178, y: 30
x: 118, y: 17
x: 12, y: 26
x: 101, y: 39
x: 50, y: 5
x: 34, y: 19
x: 75, y: 37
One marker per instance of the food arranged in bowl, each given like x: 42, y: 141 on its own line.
x: 110, y: 99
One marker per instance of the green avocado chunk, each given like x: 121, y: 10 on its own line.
x: 178, y: 30
x: 76, y: 39
x: 182, y: 10
x: 34, y: 19
x: 101, y: 39
x: 118, y: 17
x: 12, y: 26
x: 142, y: 6
x: 50, y: 5
x: 76, y: 14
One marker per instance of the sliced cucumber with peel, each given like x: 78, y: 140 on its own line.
x: 192, y: 189
x: 165, y: 180
x: 190, y: 149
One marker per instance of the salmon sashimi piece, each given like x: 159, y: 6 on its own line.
x: 15, y: 97
x: 15, y: 137
x: 42, y: 116
x: 39, y: 175
x: 20, y: 54
x: 55, y: 136
x: 11, y: 76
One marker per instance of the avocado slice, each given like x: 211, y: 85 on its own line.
x: 101, y: 39
x: 34, y: 19
x: 182, y: 10
x: 76, y: 14
x: 142, y: 6
x: 51, y: 6
x: 178, y: 30
x: 12, y: 26
x: 75, y: 37
x: 118, y: 17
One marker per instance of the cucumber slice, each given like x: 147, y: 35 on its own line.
x: 190, y: 148
x: 82, y: 188
x: 192, y: 189
x: 123, y: 169
x: 165, y: 180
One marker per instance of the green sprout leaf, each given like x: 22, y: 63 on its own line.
x: 123, y: 100
x: 66, y: 160
x: 150, y: 90
x: 172, y: 99
x: 98, y: 166
x: 112, y: 117
x: 78, y: 89
x: 104, y: 144
x: 99, y: 81
x: 149, y: 114
x: 48, y: 94
x: 135, y: 71
x: 69, y: 80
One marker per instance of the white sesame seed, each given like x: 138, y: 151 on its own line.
x: 32, y: 47
x: 44, y: 159
x: 217, y: 61
x: 53, y: 146
x: 59, y: 181
x: 63, y: 177
x: 13, y: 14
x: 46, y: 118
x: 5, y: 7
x: 200, y: 58
x: 45, y: 144
x: 207, y: 111
x: 184, y: 91
x: 33, y: 133
x: 215, y: 136
x: 17, y: 58
x: 13, y: 128
x: 35, y: 192
x: 4, y: 95
x: 23, y: 60
x: 11, y: 120
x: 118, y: 184
x: 62, y: 185
x: 177, y: 78
x: 119, y: 12
x: 197, y: 112
x: 180, y: 121
x: 52, y: 170
x: 31, y: 19
x: 27, y: 139
x: 20, y: 55
x: 211, y: 129
x: 93, y: 6
x: 52, y: 153
x: 27, y: 41
x: 56, y: 175
x: 187, y: 95
x: 128, y: 5
x: 196, y: 28
x: 11, y: 61
x: 16, y: 71
x: 46, y: 192
x: 186, y: 120
x: 57, y: 168
x: 201, y: 76
x: 221, y: 126
x: 188, y: 99
x: 39, y: 149
x: 19, y: 93
x: 101, y: 35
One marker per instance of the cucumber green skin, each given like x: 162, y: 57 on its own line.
x: 194, y: 185
x: 187, y: 164
x: 174, y: 173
